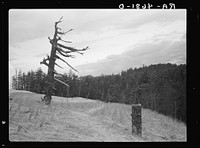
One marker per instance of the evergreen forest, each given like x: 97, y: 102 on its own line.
x: 159, y: 87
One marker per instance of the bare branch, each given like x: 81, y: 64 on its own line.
x: 62, y: 33
x: 60, y: 18
x: 47, y: 57
x: 55, y: 72
x: 59, y: 38
x: 51, y: 85
x: 58, y: 65
x: 65, y: 62
x: 58, y: 21
x: 80, y: 53
x: 44, y: 62
x: 85, y: 48
x: 61, y: 82
x: 61, y: 51
x: 58, y: 28
x: 71, y: 56
x: 66, y: 41
x: 69, y: 31
x: 66, y: 55
x: 66, y: 47
x: 58, y: 48
x: 71, y: 48
x: 71, y: 66
x: 50, y: 40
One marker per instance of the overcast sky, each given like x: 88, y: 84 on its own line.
x: 117, y: 39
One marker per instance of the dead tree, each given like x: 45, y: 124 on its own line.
x: 58, y: 49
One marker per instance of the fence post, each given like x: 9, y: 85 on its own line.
x: 136, y: 119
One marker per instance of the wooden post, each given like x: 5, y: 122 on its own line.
x: 136, y: 119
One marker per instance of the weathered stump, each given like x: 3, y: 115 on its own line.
x: 47, y: 100
x: 48, y: 96
x: 136, y: 119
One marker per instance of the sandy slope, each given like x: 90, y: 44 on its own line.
x: 79, y: 119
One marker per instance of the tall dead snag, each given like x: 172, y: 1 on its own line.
x: 58, y: 49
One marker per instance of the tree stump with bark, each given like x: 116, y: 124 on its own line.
x: 136, y: 119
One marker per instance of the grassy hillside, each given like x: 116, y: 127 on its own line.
x: 79, y: 119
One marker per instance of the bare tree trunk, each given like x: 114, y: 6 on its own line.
x: 136, y: 119
x: 16, y: 79
x: 62, y: 50
x: 50, y: 74
x: 79, y: 92
x: 88, y: 93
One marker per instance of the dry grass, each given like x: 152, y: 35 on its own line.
x: 155, y: 127
x: 78, y: 119
x: 25, y: 115
x: 158, y: 127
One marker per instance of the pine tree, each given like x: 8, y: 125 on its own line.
x: 20, y: 80
x: 14, y: 82
x: 24, y: 81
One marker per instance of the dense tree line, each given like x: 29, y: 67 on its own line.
x: 160, y: 87
x: 33, y: 81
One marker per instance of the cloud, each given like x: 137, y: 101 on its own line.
x: 165, y: 52
x: 118, y: 39
x: 30, y: 24
x: 149, y: 16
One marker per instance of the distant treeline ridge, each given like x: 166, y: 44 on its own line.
x: 160, y: 87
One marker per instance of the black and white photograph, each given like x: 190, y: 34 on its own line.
x: 97, y: 75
